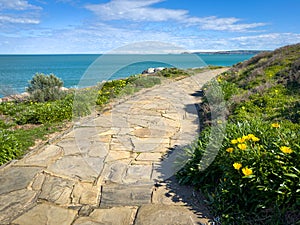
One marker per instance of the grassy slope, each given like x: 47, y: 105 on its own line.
x: 263, y: 100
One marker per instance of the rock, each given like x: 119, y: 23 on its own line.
x: 149, y: 71
x: 47, y: 214
x: 147, y: 156
x: 125, y: 195
x: 116, y: 215
x: 167, y: 215
x: 85, y: 193
x: 43, y: 158
x: 84, y: 168
x: 159, y: 69
x: 137, y: 174
x: 114, y: 171
x: 64, y: 89
x: 153, y: 70
x: 16, y: 178
x: 57, y: 190
x: 14, y: 203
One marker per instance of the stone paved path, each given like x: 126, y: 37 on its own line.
x: 113, y: 169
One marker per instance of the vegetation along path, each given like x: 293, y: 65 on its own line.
x: 115, y: 168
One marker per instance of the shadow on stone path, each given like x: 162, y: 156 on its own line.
x: 117, y: 168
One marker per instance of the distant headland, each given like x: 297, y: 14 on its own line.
x: 229, y: 52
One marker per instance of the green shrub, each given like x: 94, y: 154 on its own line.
x: 44, y: 88
x: 172, y: 73
x: 116, y: 88
x: 9, y: 146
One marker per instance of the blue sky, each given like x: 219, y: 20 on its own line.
x: 99, y: 26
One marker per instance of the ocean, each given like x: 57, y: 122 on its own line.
x: 86, y: 70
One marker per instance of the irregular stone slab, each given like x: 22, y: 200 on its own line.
x: 16, y: 178
x: 117, y: 145
x: 70, y: 147
x: 138, y: 174
x: 57, y: 190
x: 116, y: 215
x: 142, y: 132
x: 114, y: 171
x: 14, y: 203
x: 119, y: 155
x: 85, y: 133
x: 147, y: 156
x: 98, y: 149
x: 84, y: 168
x: 86, y: 194
x: 150, y: 144
x: 43, y: 158
x: 162, y: 195
x: 172, y: 163
x: 38, y: 182
x: 78, y: 146
x: 167, y: 215
x: 125, y: 195
x: 103, y: 121
x: 149, y: 132
x: 47, y: 214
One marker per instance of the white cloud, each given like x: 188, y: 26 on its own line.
x: 267, y: 41
x: 4, y: 19
x: 223, y: 24
x: 135, y: 10
x: 16, y: 5
x: 20, y: 12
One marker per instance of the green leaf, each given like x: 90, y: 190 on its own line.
x: 291, y: 175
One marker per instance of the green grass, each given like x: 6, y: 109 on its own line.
x: 255, y: 177
x: 16, y: 142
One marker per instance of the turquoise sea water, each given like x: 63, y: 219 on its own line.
x: 85, y: 70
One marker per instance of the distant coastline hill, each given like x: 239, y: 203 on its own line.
x: 230, y: 52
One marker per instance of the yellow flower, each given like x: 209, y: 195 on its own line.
x: 230, y: 150
x: 286, y: 150
x: 241, y: 140
x: 234, y: 141
x: 275, y: 125
x: 243, y: 107
x: 246, y: 171
x: 237, y: 166
x: 246, y: 138
x: 242, y: 146
x: 255, y: 139
x: 250, y: 136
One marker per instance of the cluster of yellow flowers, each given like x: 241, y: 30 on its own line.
x: 241, y: 142
x: 246, y: 171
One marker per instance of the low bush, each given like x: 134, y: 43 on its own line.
x: 44, y: 88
